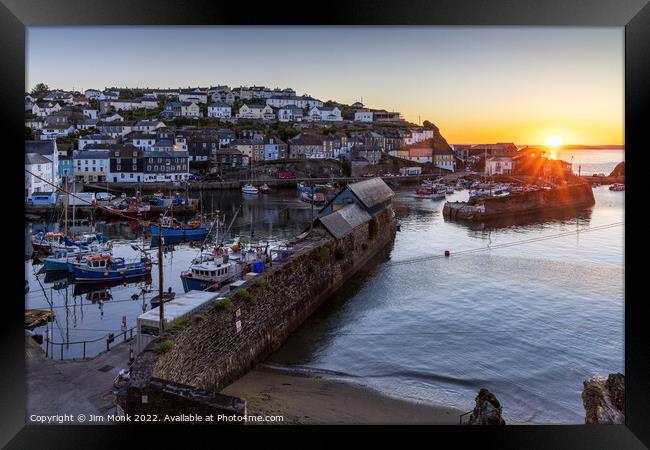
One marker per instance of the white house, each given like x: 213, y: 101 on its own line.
x: 56, y: 131
x: 109, y: 95
x: 115, y: 117
x: 58, y: 96
x: 45, y: 109
x: 256, y: 111
x: 219, y: 110
x: 416, y: 135
x: 91, y: 94
x: 39, y: 166
x: 291, y: 113
x: 363, y: 116
x: 325, y: 114
x: 142, y: 141
x: 148, y: 126
x: 48, y: 149
x: 302, y: 102
x: 193, y: 96
x: 499, y: 165
x: 95, y: 139
x: 90, y: 113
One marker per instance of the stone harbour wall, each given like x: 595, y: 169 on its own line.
x: 213, y: 351
x: 575, y: 196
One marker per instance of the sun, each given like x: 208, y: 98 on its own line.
x: 553, y: 141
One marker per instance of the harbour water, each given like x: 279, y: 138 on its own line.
x: 589, y: 161
x: 529, y: 321
x: 534, y: 311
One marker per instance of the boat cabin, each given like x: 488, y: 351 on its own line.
x: 99, y: 261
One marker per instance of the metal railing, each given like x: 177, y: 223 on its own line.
x: 110, y: 339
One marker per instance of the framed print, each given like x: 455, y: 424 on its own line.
x: 382, y: 214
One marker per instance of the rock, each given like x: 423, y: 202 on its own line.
x: 604, y: 399
x: 619, y: 170
x: 487, y: 410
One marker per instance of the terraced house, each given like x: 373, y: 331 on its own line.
x: 162, y: 166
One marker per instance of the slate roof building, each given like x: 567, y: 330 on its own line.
x: 355, y: 205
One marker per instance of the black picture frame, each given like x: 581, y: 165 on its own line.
x: 634, y: 15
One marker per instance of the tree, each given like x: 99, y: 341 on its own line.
x: 428, y: 125
x: 40, y: 89
x: 29, y: 135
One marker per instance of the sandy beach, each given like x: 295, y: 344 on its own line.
x: 310, y: 399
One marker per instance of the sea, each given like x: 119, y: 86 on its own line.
x: 528, y: 308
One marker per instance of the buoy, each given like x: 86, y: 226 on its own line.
x: 446, y: 252
x: 105, y: 274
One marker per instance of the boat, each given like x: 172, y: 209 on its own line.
x: 173, y: 232
x: 317, y: 198
x: 103, y: 267
x: 617, y: 187
x: 167, y: 296
x: 264, y: 189
x: 429, y: 192
x: 129, y: 207
x: 249, y: 189
x: 62, y: 259
x: 45, y: 243
x: 211, y: 275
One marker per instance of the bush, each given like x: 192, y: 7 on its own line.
x: 222, y: 304
x: 322, y: 254
x: 263, y: 284
x: 311, y: 268
x: 199, y: 318
x: 164, y: 346
x: 364, y: 246
x: 178, y: 324
x: 244, y: 294
x: 339, y: 253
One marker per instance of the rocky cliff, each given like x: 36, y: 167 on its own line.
x: 604, y: 399
x: 619, y: 170
x: 487, y: 410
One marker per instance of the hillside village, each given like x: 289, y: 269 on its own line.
x: 173, y: 135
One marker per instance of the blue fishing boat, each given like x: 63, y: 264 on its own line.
x: 103, y: 267
x: 174, y: 232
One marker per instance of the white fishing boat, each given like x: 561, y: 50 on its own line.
x: 212, y: 274
x: 249, y: 189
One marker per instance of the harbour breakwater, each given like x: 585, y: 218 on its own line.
x: 544, y: 200
x: 224, y: 340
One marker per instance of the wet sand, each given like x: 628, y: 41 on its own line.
x: 309, y: 399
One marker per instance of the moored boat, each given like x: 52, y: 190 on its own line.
x: 210, y: 275
x: 249, y: 189
x: 617, y: 187
x: 174, y: 232
x: 264, y: 189
x: 103, y: 267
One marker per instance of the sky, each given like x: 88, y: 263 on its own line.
x: 477, y: 84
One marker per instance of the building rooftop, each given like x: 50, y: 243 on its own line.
x: 40, y: 147
x: 371, y: 192
x: 342, y: 222
x: 35, y: 158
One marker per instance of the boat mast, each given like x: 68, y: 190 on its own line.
x: 65, y: 219
x: 74, y: 192
x: 161, y: 326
